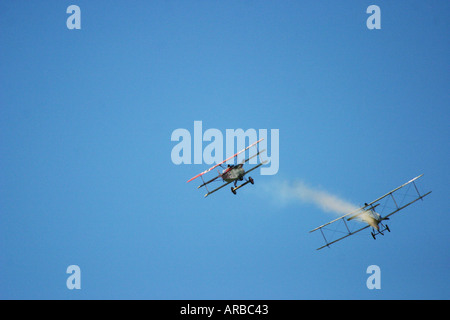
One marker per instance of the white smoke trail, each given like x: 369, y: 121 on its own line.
x: 320, y: 198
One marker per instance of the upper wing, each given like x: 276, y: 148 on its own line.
x: 356, y: 212
x: 255, y: 155
x: 392, y: 201
x: 255, y: 167
x: 200, y: 174
x: 405, y: 205
x: 398, y: 188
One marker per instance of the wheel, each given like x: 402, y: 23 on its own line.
x: 373, y: 236
x: 232, y: 190
x: 251, y: 180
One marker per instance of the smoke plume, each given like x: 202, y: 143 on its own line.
x: 324, y: 200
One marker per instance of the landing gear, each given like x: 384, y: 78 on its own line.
x: 384, y: 227
x: 249, y: 180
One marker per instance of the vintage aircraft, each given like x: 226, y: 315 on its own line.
x: 231, y: 173
x: 392, y: 201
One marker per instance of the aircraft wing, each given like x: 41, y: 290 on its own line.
x: 398, y: 188
x: 225, y: 184
x: 255, y: 155
x: 341, y: 238
x: 390, y: 203
x: 255, y: 167
x: 404, y: 206
x: 209, y: 181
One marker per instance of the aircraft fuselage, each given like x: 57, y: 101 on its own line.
x: 234, y: 173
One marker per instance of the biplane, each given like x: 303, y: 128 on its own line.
x: 231, y: 173
x: 392, y: 202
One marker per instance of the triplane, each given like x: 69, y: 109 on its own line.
x: 393, y: 202
x: 232, y: 173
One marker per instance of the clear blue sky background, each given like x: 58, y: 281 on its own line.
x: 86, y: 118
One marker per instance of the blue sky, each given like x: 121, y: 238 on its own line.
x: 86, y: 176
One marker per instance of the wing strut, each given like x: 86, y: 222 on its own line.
x: 205, y: 184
